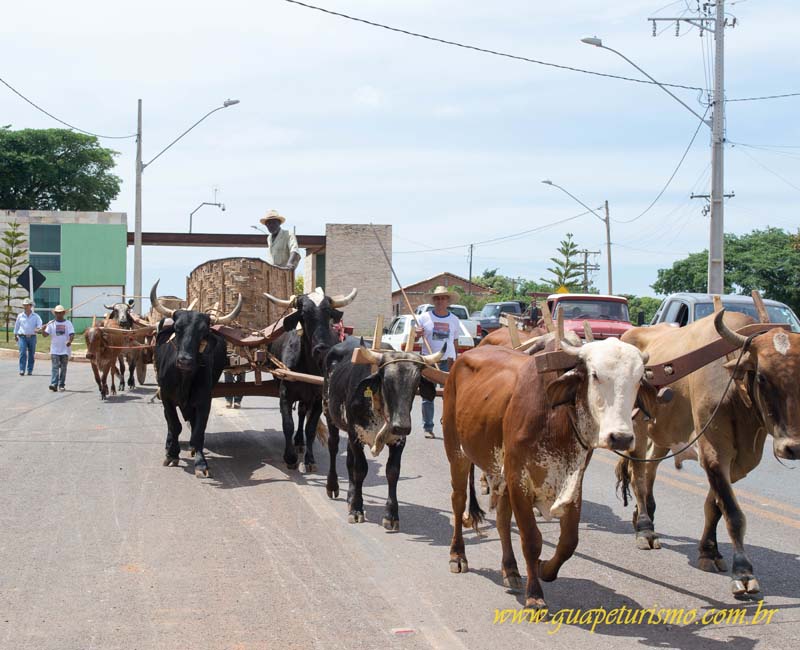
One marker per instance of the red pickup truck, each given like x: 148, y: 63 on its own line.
x: 607, y: 315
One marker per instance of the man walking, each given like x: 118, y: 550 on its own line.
x: 25, y: 328
x: 62, y: 333
x: 283, y: 250
x: 438, y: 326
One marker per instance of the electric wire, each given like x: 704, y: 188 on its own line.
x: 774, y: 173
x: 74, y: 128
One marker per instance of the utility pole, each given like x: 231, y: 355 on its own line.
x: 588, y: 267
x: 137, y: 234
x: 716, y: 259
x: 608, y: 248
x: 469, y: 292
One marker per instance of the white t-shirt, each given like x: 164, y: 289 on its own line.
x: 438, y: 329
x: 59, y: 333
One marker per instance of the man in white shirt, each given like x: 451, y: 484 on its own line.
x: 438, y: 326
x: 283, y: 250
x: 62, y: 333
x: 25, y: 328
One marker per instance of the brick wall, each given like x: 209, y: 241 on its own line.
x: 353, y: 258
x: 419, y: 292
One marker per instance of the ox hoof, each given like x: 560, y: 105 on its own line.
x: 459, y: 565
x: 356, y: 517
x: 745, y: 586
x: 333, y: 493
x: 202, y: 472
x: 535, y: 603
x: 512, y: 581
x: 309, y: 468
x: 647, y: 542
x: 169, y: 461
x: 712, y: 565
x: 392, y: 525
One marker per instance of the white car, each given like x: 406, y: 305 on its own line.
x: 397, y: 334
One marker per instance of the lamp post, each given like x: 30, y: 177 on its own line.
x: 221, y: 206
x: 606, y: 220
x: 716, y: 267
x: 140, y: 166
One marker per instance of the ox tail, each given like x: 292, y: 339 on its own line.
x: 322, y: 433
x: 476, y: 513
x: 623, y: 474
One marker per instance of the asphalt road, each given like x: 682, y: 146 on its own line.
x: 102, y: 547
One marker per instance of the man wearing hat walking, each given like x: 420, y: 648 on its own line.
x: 438, y: 326
x: 62, y: 332
x: 25, y: 328
x: 283, y: 250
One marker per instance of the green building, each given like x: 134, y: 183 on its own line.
x: 81, y: 254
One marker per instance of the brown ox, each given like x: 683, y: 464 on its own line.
x: 502, y: 337
x: 102, y: 349
x: 762, y: 399
x: 499, y: 414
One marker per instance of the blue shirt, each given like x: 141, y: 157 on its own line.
x: 27, y: 324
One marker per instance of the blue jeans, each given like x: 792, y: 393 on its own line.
x: 59, y: 373
x: 230, y: 378
x: 427, y: 405
x: 27, y: 349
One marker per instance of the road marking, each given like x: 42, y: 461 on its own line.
x: 695, y: 489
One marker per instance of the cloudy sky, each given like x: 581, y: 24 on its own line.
x: 342, y: 122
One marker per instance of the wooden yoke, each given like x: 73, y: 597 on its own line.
x: 513, y: 333
x: 548, y: 317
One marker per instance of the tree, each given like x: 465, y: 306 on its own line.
x: 646, y: 304
x: 566, y: 270
x: 763, y: 259
x: 55, y: 169
x: 508, y: 288
x: 299, y: 285
x: 12, y: 261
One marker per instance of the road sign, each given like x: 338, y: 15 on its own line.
x: 30, y: 273
x: 562, y: 289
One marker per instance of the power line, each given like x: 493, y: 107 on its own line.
x: 669, y: 180
x: 755, y: 99
x: 495, y: 239
x: 774, y: 173
x: 74, y: 128
x: 483, y: 49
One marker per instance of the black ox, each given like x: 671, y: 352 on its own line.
x: 374, y: 408
x: 305, y: 352
x: 190, y: 358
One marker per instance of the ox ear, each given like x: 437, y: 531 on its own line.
x: 291, y: 321
x: 747, y: 364
x: 368, y: 386
x: 336, y: 315
x: 427, y: 389
x: 564, y: 390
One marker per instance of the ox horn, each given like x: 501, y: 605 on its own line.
x: 343, y: 301
x: 433, y: 359
x: 157, y: 305
x: 734, y: 338
x: 375, y: 356
x: 109, y: 308
x: 281, y: 302
x: 645, y: 357
x: 572, y: 350
x: 227, y: 318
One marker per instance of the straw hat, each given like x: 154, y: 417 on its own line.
x: 272, y: 214
x: 27, y: 301
x: 59, y: 309
x: 441, y: 291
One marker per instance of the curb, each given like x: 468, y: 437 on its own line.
x: 78, y: 357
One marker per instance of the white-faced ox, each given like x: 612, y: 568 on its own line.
x: 120, y: 312
x: 501, y: 414
x: 764, y: 398
x: 190, y: 358
x: 375, y: 409
x: 305, y: 352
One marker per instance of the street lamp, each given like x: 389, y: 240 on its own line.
x: 140, y: 166
x: 221, y: 206
x: 606, y: 221
x: 716, y: 267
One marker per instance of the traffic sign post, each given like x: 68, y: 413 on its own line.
x: 31, y: 279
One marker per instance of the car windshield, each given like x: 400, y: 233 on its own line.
x: 593, y: 309
x: 777, y: 313
x: 490, y: 311
x: 461, y: 312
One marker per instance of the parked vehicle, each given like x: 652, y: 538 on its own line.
x: 490, y: 314
x: 396, y: 335
x: 470, y: 324
x: 683, y: 308
x: 607, y: 315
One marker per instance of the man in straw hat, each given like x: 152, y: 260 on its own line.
x: 438, y: 326
x: 25, y: 328
x: 62, y: 332
x: 283, y: 250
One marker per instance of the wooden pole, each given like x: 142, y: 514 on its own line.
x: 376, y: 337
x: 587, y: 332
x: 559, y: 328
x: 763, y: 316
x: 717, y: 303
x: 548, y: 317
